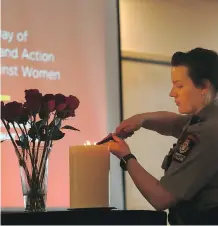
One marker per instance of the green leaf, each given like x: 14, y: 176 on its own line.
x: 36, y: 130
x: 40, y: 124
x: 23, y: 143
x: 22, y: 138
x: 19, y: 143
x: 70, y: 127
x: 56, y: 122
x: 57, y: 134
x: 32, y: 133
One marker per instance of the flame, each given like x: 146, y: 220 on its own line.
x: 89, y: 143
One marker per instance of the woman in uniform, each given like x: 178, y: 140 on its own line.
x: 189, y: 187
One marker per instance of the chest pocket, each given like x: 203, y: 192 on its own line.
x: 168, y: 158
x: 180, y: 150
x: 173, y: 151
x: 181, y: 146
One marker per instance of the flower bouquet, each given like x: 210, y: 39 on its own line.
x: 37, y: 123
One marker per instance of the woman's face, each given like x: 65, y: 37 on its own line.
x: 187, y: 96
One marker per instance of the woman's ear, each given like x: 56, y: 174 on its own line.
x: 206, y: 87
x: 207, y: 91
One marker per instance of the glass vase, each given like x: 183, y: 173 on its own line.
x: 34, y: 177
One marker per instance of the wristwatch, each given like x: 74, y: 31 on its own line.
x: 124, y: 160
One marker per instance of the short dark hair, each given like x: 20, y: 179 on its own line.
x: 202, y: 65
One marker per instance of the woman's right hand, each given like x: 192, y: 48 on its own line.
x: 128, y: 126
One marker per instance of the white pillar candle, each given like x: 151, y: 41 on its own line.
x: 89, y: 176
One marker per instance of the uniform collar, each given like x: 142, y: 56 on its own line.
x: 208, y: 111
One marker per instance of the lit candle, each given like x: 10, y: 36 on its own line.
x: 89, y: 176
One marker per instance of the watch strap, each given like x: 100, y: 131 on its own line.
x: 124, y: 160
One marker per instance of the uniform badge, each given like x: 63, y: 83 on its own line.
x: 185, y: 147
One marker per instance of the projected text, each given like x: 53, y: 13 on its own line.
x: 25, y: 55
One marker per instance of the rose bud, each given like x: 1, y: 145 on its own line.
x: 60, y: 102
x: 72, y: 102
x: 13, y: 111
x: 48, y: 102
x: 33, y: 100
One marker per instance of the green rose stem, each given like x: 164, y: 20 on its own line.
x: 36, y: 200
x: 25, y: 129
x: 21, y: 161
x: 37, y: 152
x: 27, y: 147
x: 32, y: 196
x: 47, y: 154
x: 46, y: 150
x: 34, y: 173
x: 39, y: 142
x: 34, y: 163
x: 34, y: 182
x: 42, y: 166
x: 23, y: 152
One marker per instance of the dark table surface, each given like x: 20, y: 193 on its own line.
x: 97, y: 216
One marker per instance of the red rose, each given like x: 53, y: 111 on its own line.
x: 60, y: 102
x: 33, y: 100
x: 66, y: 113
x: 24, y: 116
x: 72, y: 102
x: 12, y: 111
x: 48, y: 103
x: 31, y: 94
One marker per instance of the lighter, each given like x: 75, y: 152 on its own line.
x: 110, y: 137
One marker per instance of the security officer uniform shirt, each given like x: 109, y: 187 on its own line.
x: 191, y: 167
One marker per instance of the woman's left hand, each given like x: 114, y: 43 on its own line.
x: 118, y: 147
